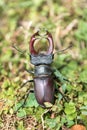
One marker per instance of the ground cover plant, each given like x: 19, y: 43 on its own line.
x: 67, y: 21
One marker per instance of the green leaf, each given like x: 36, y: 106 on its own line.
x: 72, y: 116
x: 21, y: 113
x: 18, y: 105
x: 64, y: 86
x: 38, y: 112
x: 70, y: 108
x: 31, y: 101
x: 54, y: 123
x: 70, y: 123
x: 51, y: 123
x: 70, y: 111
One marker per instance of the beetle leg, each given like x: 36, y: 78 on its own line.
x: 60, y: 77
x: 63, y: 95
x: 62, y: 80
x: 26, y: 83
x: 65, y: 98
x: 67, y: 80
x: 30, y: 71
x: 25, y: 98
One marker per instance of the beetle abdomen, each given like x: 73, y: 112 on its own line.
x: 44, y: 89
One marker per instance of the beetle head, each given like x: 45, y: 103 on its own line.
x: 41, y: 58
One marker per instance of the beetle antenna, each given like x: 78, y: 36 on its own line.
x: 63, y: 49
x: 22, y: 52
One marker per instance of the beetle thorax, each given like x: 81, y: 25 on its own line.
x: 41, y: 70
x: 41, y: 59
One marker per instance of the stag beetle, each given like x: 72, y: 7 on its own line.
x: 43, y: 79
x: 44, y: 76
